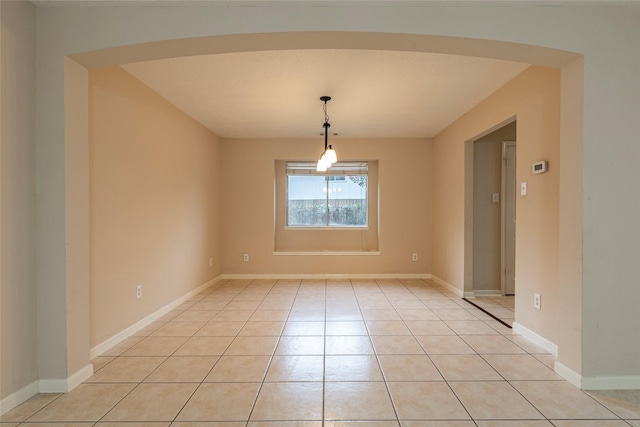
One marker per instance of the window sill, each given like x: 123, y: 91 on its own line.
x: 303, y: 228
x: 327, y: 253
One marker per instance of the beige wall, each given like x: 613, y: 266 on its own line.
x: 534, y: 98
x: 155, y: 211
x: 487, y: 232
x: 404, y: 169
x: 18, y: 299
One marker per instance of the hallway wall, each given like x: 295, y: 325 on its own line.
x: 154, y: 198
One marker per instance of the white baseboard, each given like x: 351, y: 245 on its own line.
x: 483, y: 293
x: 120, y: 336
x: 568, y: 374
x: 626, y: 382
x: 326, y: 276
x: 20, y: 396
x: 535, y: 338
x: 449, y: 286
x: 66, y: 385
x: 622, y: 382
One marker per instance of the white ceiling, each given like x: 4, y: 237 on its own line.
x: 276, y: 94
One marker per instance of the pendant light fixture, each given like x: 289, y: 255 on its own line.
x: 329, y: 155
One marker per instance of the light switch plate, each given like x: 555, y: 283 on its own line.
x: 523, y: 188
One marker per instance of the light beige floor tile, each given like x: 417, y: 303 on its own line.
x: 234, y: 315
x: 357, y: 401
x: 295, y: 368
x: 298, y: 315
x: 395, y: 344
x: 464, y: 367
x: 55, y: 424
x: 269, y: 315
x: 515, y: 423
x: 183, y: 369
x: 156, y: 346
x: 344, y: 315
x: 28, y: 408
x: 127, y: 370
x: 152, y: 402
x: 589, y: 423
x: 454, y: 314
x: 352, y: 368
x: 470, y: 327
x: 426, y: 401
x: 123, y: 345
x: 289, y: 401
x: 207, y: 424
x: 301, y: 345
x: 220, y: 329
x: 492, y: 344
x: 148, y: 330
x: 87, y: 402
x: 520, y: 367
x: 284, y: 424
x: 429, y: 327
x: 421, y: 314
x: 406, y: 304
x: 209, y: 304
x: 444, y: 344
x: 440, y: 303
x: 548, y: 359
x: 133, y: 424
x: 354, y: 344
x: 561, y: 400
x: 624, y: 403
x: 241, y: 369
x: 361, y: 424
x: 438, y: 424
x: 220, y: 402
x: 168, y: 317
x: 416, y: 367
x: 376, y: 314
x: 178, y: 329
x: 494, y: 400
x: 387, y: 327
x: 634, y: 423
x: 242, y: 305
x: 195, y: 316
x: 303, y: 328
x: 346, y: 328
x: 252, y: 346
x: 204, y: 346
x: 261, y: 329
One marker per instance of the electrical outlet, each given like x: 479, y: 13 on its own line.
x: 536, y: 301
x: 210, y: 261
x: 138, y: 291
x: 414, y: 257
x: 245, y: 257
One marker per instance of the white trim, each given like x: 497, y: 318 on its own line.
x: 325, y: 276
x: 120, y: 336
x: 326, y: 253
x: 53, y: 386
x: 568, y: 374
x: 535, y: 338
x: 622, y: 382
x: 483, y: 293
x: 19, y: 397
x: 79, y: 377
x: 449, y: 286
x: 325, y: 228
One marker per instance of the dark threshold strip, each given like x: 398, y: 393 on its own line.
x: 486, y: 312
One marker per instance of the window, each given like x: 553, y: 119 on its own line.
x: 335, y: 198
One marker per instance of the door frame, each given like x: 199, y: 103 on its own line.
x: 503, y: 215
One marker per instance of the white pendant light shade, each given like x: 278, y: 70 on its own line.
x: 330, y: 155
x: 322, y: 165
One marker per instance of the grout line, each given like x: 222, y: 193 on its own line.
x: 488, y: 313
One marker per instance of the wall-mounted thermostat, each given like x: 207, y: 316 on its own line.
x: 540, y: 167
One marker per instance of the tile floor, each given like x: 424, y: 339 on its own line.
x: 502, y: 307
x: 326, y: 353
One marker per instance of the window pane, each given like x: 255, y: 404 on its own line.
x: 347, y: 200
x: 307, y: 200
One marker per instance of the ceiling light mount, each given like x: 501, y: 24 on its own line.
x: 328, y: 157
